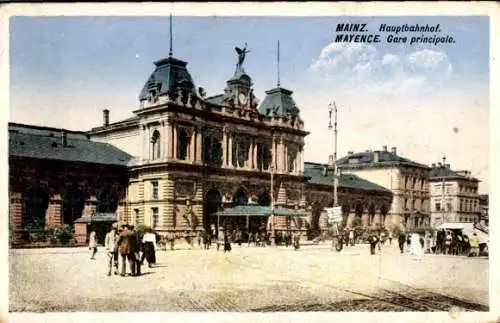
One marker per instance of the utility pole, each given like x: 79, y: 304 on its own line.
x: 332, y: 108
x: 443, y: 193
x: 273, y: 236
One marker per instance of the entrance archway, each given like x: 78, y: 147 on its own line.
x: 72, y: 204
x: 240, y: 197
x: 36, y: 202
x: 213, y: 201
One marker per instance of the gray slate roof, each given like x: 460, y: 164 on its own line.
x: 280, y: 102
x: 318, y: 176
x: 46, y: 143
x: 386, y: 158
x: 169, y: 73
x: 215, y: 99
x: 445, y: 171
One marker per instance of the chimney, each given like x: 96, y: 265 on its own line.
x: 330, y: 160
x: 384, y: 148
x: 447, y: 166
x: 376, y: 156
x: 64, y: 138
x: 394, y: 151
x: 433, y: 165
x: 439, y: 164
x: 349, y: 153
x: 105, y: 116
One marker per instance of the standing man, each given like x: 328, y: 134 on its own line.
x: 136, y: 243
x: 111, y: 245
x: 125, y: 248
x: 373, y: 239
x: 401, y: 242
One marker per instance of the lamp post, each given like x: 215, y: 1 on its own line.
x: 332, y: 108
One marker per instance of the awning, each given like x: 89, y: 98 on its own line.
x: 467, y: 228
x: 257, y: 210
x: 97, y: 217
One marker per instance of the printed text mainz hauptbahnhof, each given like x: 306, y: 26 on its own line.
x: 397, y: 34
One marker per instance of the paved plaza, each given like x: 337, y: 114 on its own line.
x: 314, y: 278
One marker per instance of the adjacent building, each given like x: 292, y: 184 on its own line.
x: 406, y: 179
x: 454, y: 195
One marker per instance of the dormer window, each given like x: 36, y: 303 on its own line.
x: 353, y: 160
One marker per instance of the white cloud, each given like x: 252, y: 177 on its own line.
x: 363, y: 69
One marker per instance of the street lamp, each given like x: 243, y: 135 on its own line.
x: 332, y: 108
x: 443, y: 201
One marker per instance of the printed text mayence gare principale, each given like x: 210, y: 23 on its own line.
x: 398, y: 34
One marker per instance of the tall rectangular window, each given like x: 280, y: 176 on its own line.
x: 154, y: 190
x: 154, y: 211
x: 438, y: 207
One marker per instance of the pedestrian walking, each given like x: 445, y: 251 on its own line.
x: 136, y: 244
x: 351, y: 237
x: 401, y: 242
x: 149, y: 248
x: 296, y: 241
x: 373, y: 240
x: 220, y: 238
x: 93, y: 244
x: 416, y: 249
x: 474, y: 245
x: 111, y: 246
x: 447, y: 243
x: 200, y: 238
x: 227, y: 242
x: 390, y: 238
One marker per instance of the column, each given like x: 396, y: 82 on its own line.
x: 255, y: 162
x: 230, y: 150
x: 273, y: 153
x: 192, y: 146
x: 169, y: 140
x: 174, y: 153
x: 144, y: 148
x: 224, y: 148
x: 167, y: 221
x: 53, y: 213
x: 198, y: 204
x: 199, y: 146
x: 285, y: 159
x: 16, y: 216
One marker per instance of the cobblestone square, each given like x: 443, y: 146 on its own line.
x: 314, y: 278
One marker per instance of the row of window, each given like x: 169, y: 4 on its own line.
x: 414, y: 183
x: 465, y: 206
x: 212, y: 151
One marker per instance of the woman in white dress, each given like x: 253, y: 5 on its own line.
x: 93, y: 244
x: 416, y: 249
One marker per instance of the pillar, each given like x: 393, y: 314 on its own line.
x: 254, y: 157
x: 53, y: 213
x: 365, y: 218
x: 230, y: 150
x: 174, y: 151
x: 169, y: 140
x: 80, y: 234
x: 273, y: 153
x: 224, y: 148
x: 199, y: 146
x: 198, y: 204
x: 192, y: 146
x: 16, y: 216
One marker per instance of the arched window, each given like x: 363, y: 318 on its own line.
x: 182, y: 144
x: 155, y: 145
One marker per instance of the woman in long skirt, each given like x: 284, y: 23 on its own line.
x: 227, y: 242
x: 149, y: 245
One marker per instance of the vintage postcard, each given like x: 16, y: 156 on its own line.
x: 254, y: 160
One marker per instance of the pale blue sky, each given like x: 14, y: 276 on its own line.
x: 65, y: 70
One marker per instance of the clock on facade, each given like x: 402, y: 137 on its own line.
x: 243, y: 98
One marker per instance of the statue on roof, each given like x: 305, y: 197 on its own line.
x: 241, y: 56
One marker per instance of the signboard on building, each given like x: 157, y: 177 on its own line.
x: 334, y: 214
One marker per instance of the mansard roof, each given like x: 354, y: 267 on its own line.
x: 169, y: 73
x: 368, y: 159
x: 439, y: 171
x: 319, y: 174
x: 29, y: 141
x: 279, y: 101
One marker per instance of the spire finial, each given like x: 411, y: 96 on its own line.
x: 170, y: 52
x: 278, y: 67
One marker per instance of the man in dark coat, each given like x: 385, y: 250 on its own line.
x: 125, y: 248
x: 136, y: 242
x: 401, y: 242
x: 373, y: 240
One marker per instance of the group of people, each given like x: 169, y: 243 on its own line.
x: 126, y: 245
